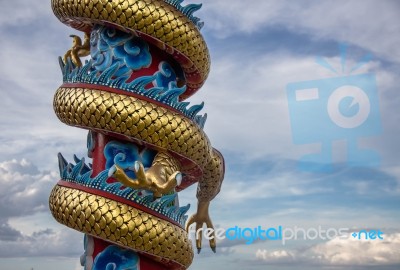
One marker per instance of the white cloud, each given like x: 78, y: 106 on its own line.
x: 32, y: 39
x: 245, y: 100
x: 24, y: 193
x: 395, y: 172
x: 45, y: 243
x: 270, y: 186
x: 43, y: 148
x: 247, y: 104
x: 78, y: 266
x: 358, y: 252
x: 359, y: 24
x: 22, y: 12
x: 275, y: 256
x: 340, y: 252
x: 25, y: 189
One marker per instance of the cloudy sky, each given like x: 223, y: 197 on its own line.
x: 257, y: 48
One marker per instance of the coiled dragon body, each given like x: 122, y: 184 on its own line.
x: 146, y: 58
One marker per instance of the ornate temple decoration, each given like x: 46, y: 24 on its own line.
x: 127, y: 84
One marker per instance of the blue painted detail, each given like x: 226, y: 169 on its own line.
x: 109, y: 46
x: 124, y: 155
x: 80, y: 174
x: 164, y: 76
x: 116, y: 258
x: 115, y: 56
x: 187, y: 10
x: 201, y: 120
x: 195, y: 109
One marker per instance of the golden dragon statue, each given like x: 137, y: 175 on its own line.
x: 144, y: 58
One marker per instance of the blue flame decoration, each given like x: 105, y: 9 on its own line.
x: 116, y: 258
x: 164, y: 76
x: 115, y: 55
x: 109, y: 46
x: 80, y: 173
x: 188, y: 11
x: 125, y: 154
x: 121, y: 154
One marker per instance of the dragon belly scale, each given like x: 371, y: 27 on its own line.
x: 127, y: 83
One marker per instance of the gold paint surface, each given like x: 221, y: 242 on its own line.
x: 141, y: 120
x: 156, y: 19
x: 76, y: 106
x: 64, y: 204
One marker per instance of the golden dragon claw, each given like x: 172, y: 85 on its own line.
x: 155, y: 179
x: 78, y: 50
x: 202, y: 216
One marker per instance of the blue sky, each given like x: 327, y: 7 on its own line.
x: 257, y: 48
